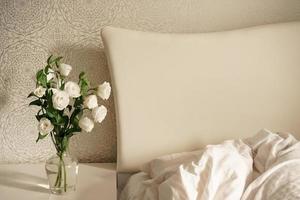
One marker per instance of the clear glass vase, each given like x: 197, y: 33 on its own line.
x: 62, y: 171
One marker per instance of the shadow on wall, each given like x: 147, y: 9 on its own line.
x: 92, y: 147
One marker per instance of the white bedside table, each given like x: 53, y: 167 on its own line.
x: 29, y: 182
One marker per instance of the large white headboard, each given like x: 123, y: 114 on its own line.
x: 178, y: 92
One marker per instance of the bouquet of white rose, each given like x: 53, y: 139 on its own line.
x: 63, y: 105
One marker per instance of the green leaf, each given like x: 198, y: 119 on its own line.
x: 48, y: 102
x: 39, y: 117
x: 52, y: 59
x: 62, y: 87
x: 75, y: 113
x: 50, y: 113
x: 47, y: 69
x: 78, y: 102
x: 58, y: 119
x: 69, y: 107
x: 65, y: 143
x: 36, y: 103
x: 76, y: 129
x: 72, y: 130
x: 39, y: 111
x: 54, y: 115
x: 49, y: 94
x: 76, y: 120
x: 57, y: 65
x: 41, y: 137
x: 41, y: 78
x: 31, y: 95
x: 83, y: 84
x: 57, y: 59
x: 82, y: 75
x: 49, y: 59
x: 66, y: 121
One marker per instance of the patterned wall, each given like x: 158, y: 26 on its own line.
x: 30, y: 30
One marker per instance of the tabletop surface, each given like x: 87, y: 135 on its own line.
x: 29, y: 182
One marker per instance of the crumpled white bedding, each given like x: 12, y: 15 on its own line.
x: 264, y: 167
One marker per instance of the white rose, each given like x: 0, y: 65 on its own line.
x: 99, y: 113
x: 45, y: 126
x: 104, y: 90
x: 60, y: 100
x: 86, y: 124
x: 90, y: 102
x: 50, y: 75
x: 64, y: 69
x: 72, y: 89
x: 40, y: 91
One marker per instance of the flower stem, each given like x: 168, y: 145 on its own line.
x: 65, y: 175
x: 58, y: 178
x: 60, y: 173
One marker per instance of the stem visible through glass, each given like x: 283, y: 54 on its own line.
x: 65, y: 175
x: 61, y: 169
x: 58, y: 178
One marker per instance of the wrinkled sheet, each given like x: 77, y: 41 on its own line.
x: 266, y: 166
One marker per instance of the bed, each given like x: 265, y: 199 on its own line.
x: 181, y: 92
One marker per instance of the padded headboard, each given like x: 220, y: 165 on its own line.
x: 179, y: 92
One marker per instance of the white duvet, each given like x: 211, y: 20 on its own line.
x: 264, y: 167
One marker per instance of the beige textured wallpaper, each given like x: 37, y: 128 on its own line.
x: 30, y: 30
